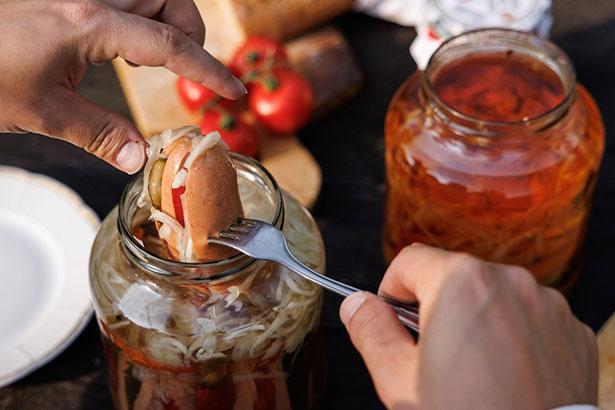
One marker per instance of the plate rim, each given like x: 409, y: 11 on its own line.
x: 83, y: 211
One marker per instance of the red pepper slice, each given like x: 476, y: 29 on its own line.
x: 219, y: 398
x: 111, y: 358
x: 177, y: 204
x: 171, y: 406
x: 431, y: 33
x: 265, y: 398
x: 141, y: 358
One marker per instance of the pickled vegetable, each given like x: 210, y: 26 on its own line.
x: 243, y: 341
x: 514, y: 192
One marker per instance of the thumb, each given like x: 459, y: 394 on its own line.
x: 98, y: 130
x: 384, y: 344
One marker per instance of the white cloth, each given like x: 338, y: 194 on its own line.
x: 578, y: 407
x: 403, y: 12
x: 437, y: 20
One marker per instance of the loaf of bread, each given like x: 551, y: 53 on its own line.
x: 230, y: 22
x: 325, y: 59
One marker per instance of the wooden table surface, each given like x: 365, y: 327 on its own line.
x: 349, y: 146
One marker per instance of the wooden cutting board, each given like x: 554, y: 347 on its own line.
x: 606, y: 350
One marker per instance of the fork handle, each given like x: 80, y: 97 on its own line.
x: 407, y: 314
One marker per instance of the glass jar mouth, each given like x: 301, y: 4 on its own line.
x: 248, y: 169
x: 489, y: 40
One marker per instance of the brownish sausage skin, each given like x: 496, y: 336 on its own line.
x: 211, y: 200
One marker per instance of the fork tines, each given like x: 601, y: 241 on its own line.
x: 242, y: 226
x: 246, y: 222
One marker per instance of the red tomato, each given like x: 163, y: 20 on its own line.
x: 255, y: 54
x: 282, y: 101
x: 239, y: 136
x: 196, y: 95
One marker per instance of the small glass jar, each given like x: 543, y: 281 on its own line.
x: 232, y: 334
x: 471, y: 179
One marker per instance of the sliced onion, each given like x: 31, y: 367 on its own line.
x: 202, y: 145
x: 233, y: 294
x: 180, y: 179
x: 187, y: 131
x: 164, y: 232
x: 186, y: 247
x: 167, y: 220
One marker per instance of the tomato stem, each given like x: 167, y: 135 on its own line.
x: 227, y: 121
x: 252, y: 57
x: 270, y: 82
x: 210, y: 104
x: 249, y: 77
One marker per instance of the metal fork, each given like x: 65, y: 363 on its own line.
x: 261, y: 240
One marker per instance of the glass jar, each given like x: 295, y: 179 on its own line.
x: 232, y: 334
x: 494, y: 150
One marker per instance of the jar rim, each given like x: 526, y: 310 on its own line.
x: 526, y: 43
x: 195, y: 271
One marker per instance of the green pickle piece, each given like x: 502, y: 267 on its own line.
x: 155, y: 181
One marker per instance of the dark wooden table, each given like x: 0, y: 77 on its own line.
x: 349, y: 146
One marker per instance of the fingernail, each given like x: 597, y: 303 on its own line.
x: 350, y: 305
x: 240, y: 85
x: 131, y: 157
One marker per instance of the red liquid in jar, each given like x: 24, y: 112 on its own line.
x: 518, y: 196
x: 503, y: 87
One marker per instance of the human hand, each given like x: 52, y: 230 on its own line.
x: 491, y: 337
x: 46, y: 47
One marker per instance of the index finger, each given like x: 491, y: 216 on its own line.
x: 182, y: 14
x: 154, y: 44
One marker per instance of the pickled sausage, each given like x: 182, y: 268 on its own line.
x: 213, y: 203
x: 201, y: 196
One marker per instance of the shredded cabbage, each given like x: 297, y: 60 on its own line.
x: 263, y: 314
x: 233, y: 294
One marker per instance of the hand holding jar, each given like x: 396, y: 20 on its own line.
x: 491, y: 338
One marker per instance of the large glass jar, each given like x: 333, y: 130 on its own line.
x: 233, y: 334
x: 494, y: 150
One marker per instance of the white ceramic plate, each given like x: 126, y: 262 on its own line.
x: 46, y: 232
